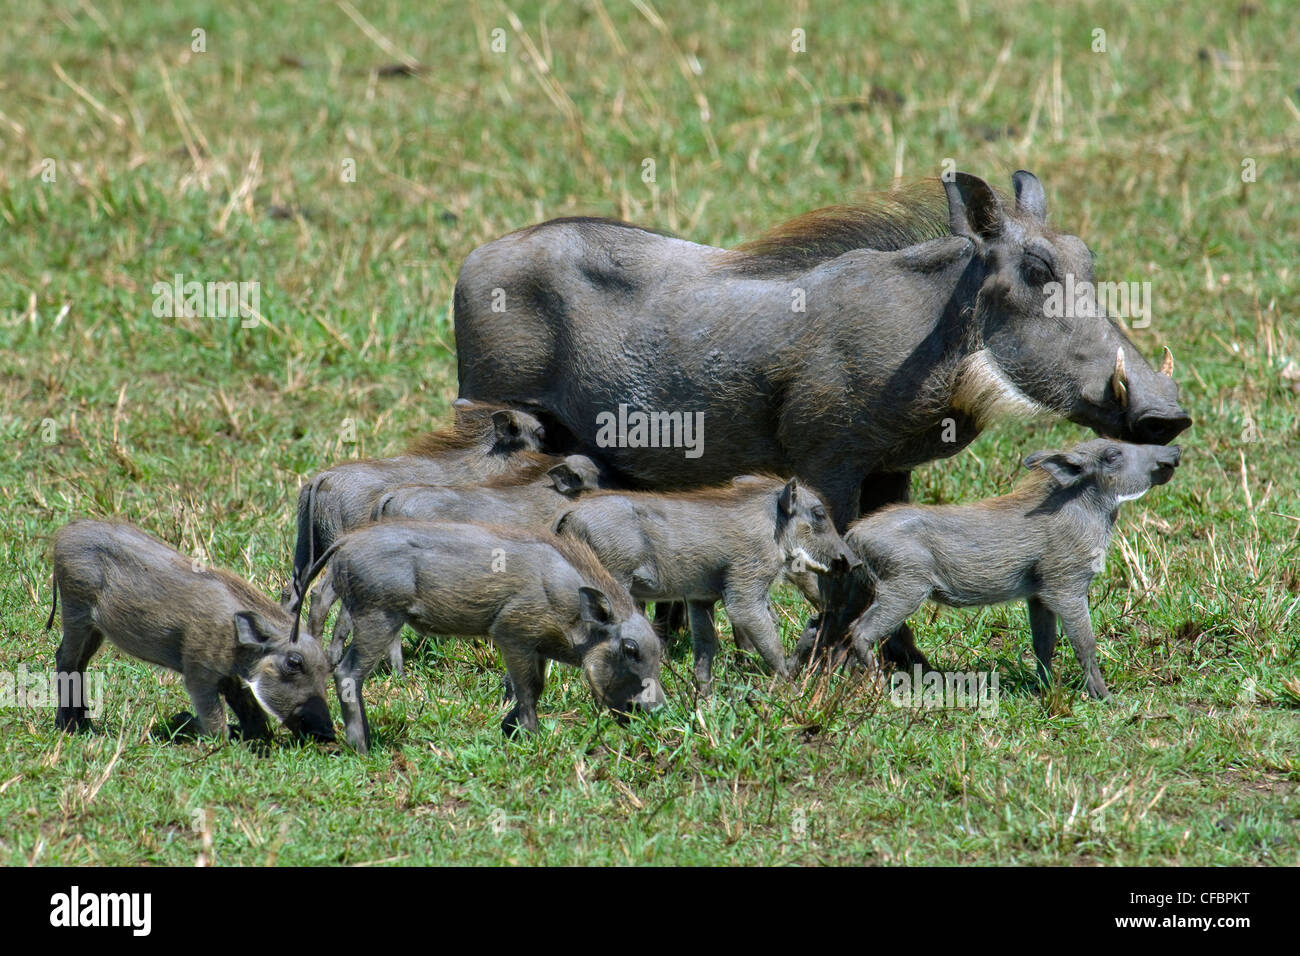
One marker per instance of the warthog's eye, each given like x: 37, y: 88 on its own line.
x: 293, y: 662
x: 631, y: 650
x: 1037, y: 270
x: 819, y: 513
x: 1111, y: 456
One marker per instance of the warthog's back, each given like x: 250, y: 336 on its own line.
x: 679, y: 544
x: 454, y: 578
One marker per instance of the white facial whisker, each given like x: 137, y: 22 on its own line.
x: 802, y: 559
x: 252, y: 686
x: 986, y: 393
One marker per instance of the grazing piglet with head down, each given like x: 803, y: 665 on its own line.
x: 536, y: 597
x: 1043, y: 542
x: 728, y: 543
x: 226, y: 637
x: 527, y: 499
x: 486, y: 441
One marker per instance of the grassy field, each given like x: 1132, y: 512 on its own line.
x: 129, y: 157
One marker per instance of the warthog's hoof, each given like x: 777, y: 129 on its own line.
x: 180, y: 726
x: 72, y: 723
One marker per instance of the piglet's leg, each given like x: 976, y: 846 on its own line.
x: 705, y: 638
x: 753, y: 627
x: 895, y: 602
x: 1042, y: 623
x: 209, y: 709
x: 527, y: 676
x: 322, y: 598
x: 373, y: 635
x: 79, y: 644
x: 1078, y: 627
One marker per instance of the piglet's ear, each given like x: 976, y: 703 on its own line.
x: 593, y: 606
x: 789, y: 499
x: 1066, y: 468
x: 506, y: 424
x: 248, y: 631
x: 575, y: 474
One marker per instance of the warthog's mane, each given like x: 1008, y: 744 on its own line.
x: 886, y: 221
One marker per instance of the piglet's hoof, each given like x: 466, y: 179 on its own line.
x: 180, y: 726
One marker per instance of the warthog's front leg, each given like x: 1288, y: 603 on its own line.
x: 1078, y: 628
x: 704, y: 637
x: 527, y: 676
x: 1042, y: 624
x: 896, y: 601
x: 750, y: 621
x: 208, y: 708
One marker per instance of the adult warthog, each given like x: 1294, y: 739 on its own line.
x: 847, y: 346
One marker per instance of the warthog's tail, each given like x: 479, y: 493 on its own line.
x: 54, y: 608
x: 301, y: 588
x: 377, y: 512
x: 304, y: 551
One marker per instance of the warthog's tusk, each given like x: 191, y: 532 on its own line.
x: 1167, y: 366
x: 1118, y: 381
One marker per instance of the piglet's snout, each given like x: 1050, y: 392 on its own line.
x: 312, y: 720
x: 1167, y: 460
x: 846, y: 561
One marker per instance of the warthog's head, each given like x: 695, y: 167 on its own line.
x: 622, y: 655
x: 806, y: 534
x: 1119, y: 471
x: 1047, y: 341
x: 287, y: 677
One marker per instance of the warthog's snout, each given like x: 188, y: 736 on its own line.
x: 846, y: 561
x: 312, y: 721
x: 1159, y: 427
x: 1167, y: 459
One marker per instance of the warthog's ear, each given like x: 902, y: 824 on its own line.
x: 593, y: 606
x: 974, y: 210
x: 1066, y: 468
x: 575, y: 474
x: 250, y: 632
x: 1030, y: 197
x: 506, y: 423
x: 789, y: 499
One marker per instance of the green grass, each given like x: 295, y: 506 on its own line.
x: 225, y: 165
